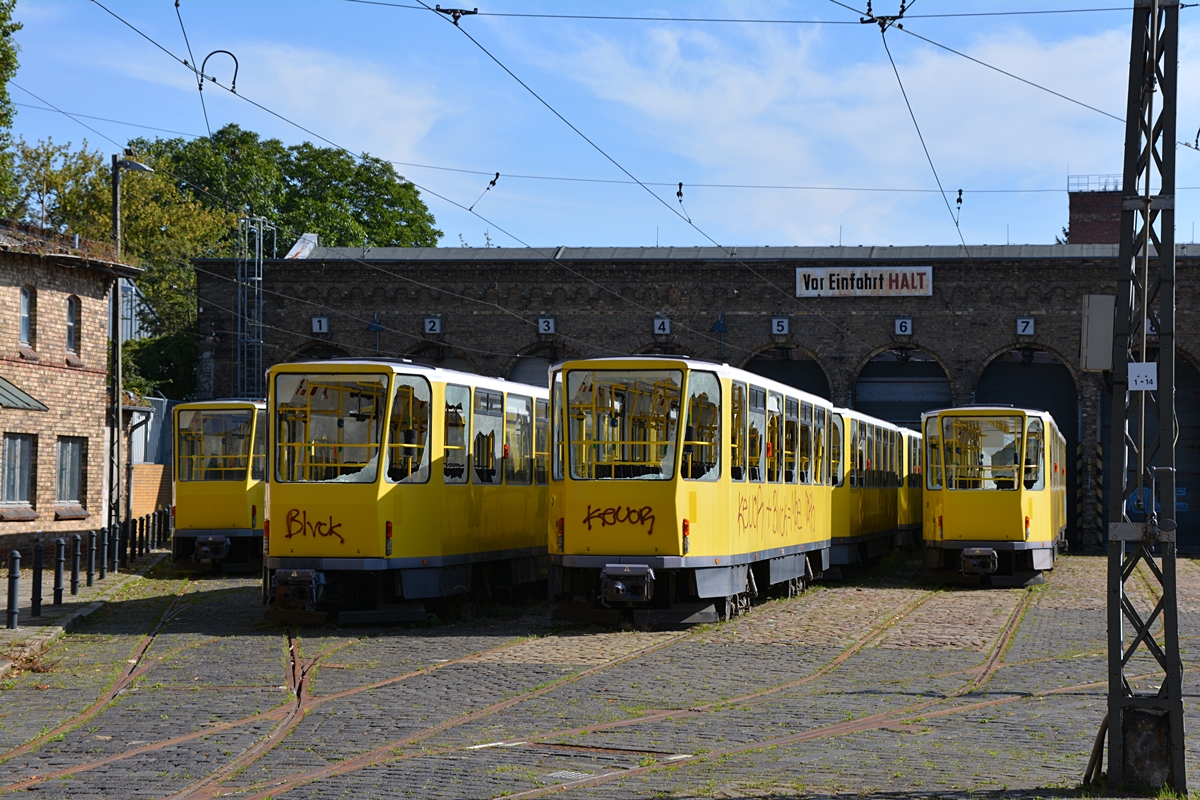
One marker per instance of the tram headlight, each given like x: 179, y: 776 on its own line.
x: 940, y: 534
x: 687, y: 533
x: 558, y: 528
x: 387, y: 548
x: 1027, y: 529
x: 266, y: 537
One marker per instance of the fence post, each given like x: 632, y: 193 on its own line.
x: 91, y: 573
x: 142, y: 531
x: 35, y: 599
x: 14, y: 586
x: 154, y: 530
x: 103, y: 553
x: 60, y: 558
x: 76, y: 541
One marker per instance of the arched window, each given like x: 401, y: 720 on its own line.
x: 28, y: 315
x: 73, y: 324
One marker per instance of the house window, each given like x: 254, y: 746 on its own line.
x: 16, y: 469
x: 28, y: 315
x: 70, y: 470
x: 73, y: 324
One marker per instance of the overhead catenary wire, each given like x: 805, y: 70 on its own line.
x: 541, y: 252
x: 739, y: 20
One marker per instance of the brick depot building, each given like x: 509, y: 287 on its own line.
x: 54, y: 335
x: 1000, y: 326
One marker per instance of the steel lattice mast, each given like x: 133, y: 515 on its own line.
x: 1143, y: 456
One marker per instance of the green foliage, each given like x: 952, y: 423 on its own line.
x: 8, y: 68
x: 300, y: 189
x: 164, y: 363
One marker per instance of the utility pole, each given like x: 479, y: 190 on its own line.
x: 1145, y: 728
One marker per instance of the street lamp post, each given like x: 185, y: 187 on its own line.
x: 115, y: 384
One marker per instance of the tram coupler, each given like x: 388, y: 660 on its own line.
x: 210, y: 548
x: 297, y: 589
x: 979, y: 561
x: 627, y: 583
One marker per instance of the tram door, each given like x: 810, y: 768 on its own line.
x: 804, y: 374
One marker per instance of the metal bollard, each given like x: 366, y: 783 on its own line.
x: 60, y: 558
x: 103, y: 553
x: 14, y: 586
x: 35, y: 600
x: 142, y: 550
x: 123, y: 545
x: 91, y: 573
x: 76, y: 541
x: 154, y: 530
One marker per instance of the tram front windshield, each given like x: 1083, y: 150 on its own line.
x: 622, y: 424
x: 214, y: 445
x: 328, y: 427
x: 982, y: 452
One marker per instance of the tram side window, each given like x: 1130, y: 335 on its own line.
x: 258, y: 457
x: 541, y: 441
x: 853, y: 456
x: 408, y: 431
x: 518, y: 440
x: 774, y: 437
x: 737, y: 438
x: 806, y: 443
x: 791, y: 439
x: 1035, y: 472
x: 835, y: 449
x: 487, y: 437
x: 820, y: 456
x: 893, y: 461
x: 756, y: 437
x: 457, y: 423
x: 933, y: 455
x: 556, y: 426
x: 702, y: 432
x: 870, y: 459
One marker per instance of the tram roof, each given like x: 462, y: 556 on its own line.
x: 861, y: 253
x: 437, y: 373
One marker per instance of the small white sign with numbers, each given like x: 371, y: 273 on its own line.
x: 320, y: 324
x: 1143, y: 377
x: 781, y: 326
x: 904, y: 326
x: 1025, y: 326
x: 433, y: 325
x: 662, y: 326
x: 547, y: 325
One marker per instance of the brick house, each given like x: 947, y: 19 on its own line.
x: 54, y: 335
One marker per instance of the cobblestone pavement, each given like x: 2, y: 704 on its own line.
x: 880, y: 685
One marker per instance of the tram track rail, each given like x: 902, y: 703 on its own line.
x: 298, y: 669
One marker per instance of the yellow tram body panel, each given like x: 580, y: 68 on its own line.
x: 869, y: 488
x: 672, y: 465
x: 995, y: 490
x: 376, y: 460
x: 219, y: 477
x: 909, y: 513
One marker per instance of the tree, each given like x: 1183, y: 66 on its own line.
x: 300, y: 189
x: 8, y: 68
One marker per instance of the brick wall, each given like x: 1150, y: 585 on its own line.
x: 1095, y: 217
x: 151, y: 487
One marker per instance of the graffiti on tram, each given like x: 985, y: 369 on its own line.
x: 616, y: 515
x: 761, y: 509
x: 298, y: 525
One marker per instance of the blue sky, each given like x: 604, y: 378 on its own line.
x: 791, y: 105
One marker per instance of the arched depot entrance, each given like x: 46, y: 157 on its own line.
x: 1187, y: 455
x: 899, y: 385
x: 785, y: 366
x: 533, y: 370
x: 1039, y: 380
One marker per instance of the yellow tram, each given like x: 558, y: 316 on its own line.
x: 908, y: 500
x: 995, y: 494
x: 220, y: 472
x: 394, y: 483
x: 867, y: 497
x: 681, y: 489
